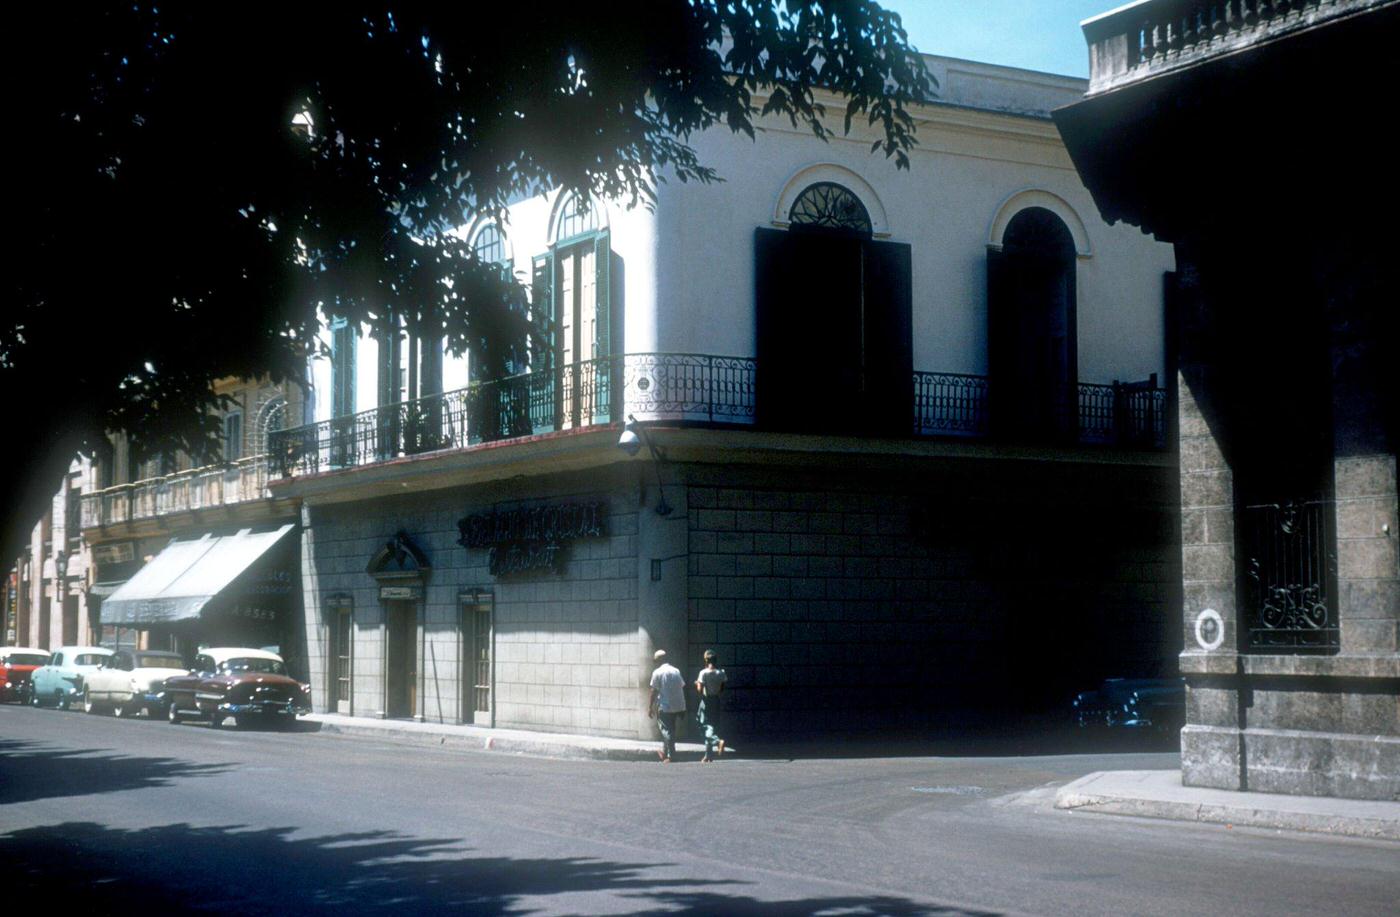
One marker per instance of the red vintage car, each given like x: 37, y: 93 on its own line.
x: 17, y: 663
x: 246, y: 684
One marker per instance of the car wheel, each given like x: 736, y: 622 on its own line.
x: 172, y: 714
x: 216, y: 720
x: 33, y: 696
x: 88, y: 705
x: 119, y: 709
x: 61, y: 700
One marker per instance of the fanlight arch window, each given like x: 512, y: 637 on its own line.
x: 829, y: 206
x: 271, y: 417
x: 574, y: 220
x: 489, y: 246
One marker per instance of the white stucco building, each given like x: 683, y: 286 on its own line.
x: 909, y: 428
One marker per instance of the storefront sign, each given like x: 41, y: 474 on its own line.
x: 122, y: 552
x: 523, y: 540
x: 407, y: 593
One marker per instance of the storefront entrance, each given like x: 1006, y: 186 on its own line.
x: 401, y: 689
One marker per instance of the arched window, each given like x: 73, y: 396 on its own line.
x: 827, y: 205
x: 489, y: 246
x: 574, y: 220
x: 1032, y: 341
x: 572, y: 305
x: 272, y: 416
x: 832, y: 320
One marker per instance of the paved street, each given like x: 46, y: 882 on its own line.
x: 139, y: 814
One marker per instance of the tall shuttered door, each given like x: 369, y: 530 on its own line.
x: 478, y: 672
x: 1032, y: 347
x: 343, y: 635
x: 833, y: 333
x: 583, y: 331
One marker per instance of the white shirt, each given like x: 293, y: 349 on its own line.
x: 666, y: 681
x: 713, y: 681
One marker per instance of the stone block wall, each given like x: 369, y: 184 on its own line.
x: 565, y: 644
x: 934, y: 595
x: 1368, y: 569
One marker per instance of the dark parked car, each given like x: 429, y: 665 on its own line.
x: 1158, y: 704
x: 243, y: 683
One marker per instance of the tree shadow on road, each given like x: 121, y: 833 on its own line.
x: 30, y: 771
x: 178, y: 868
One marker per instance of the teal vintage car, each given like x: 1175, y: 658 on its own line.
x: 62, y: 680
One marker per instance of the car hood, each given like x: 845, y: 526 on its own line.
x: 257, y: 678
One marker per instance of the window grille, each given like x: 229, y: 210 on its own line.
x: 827, y: 205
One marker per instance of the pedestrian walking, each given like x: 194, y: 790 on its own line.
x: 667, y: 703
x: 709, y: 684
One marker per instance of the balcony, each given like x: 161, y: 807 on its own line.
x: 1152, y: 37
x: 204, y: 488
x: 692, y: 389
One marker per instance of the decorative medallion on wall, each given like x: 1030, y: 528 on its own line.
x: 401, y: 568
x: 1210, y: 630
x: 533, y: 539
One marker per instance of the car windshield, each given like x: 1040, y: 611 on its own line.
x: 248, y: 664
x: 159, y: 661
x: 25, y: 659
x: 90, y: 659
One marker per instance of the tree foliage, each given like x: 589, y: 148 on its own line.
x: 172, y: 228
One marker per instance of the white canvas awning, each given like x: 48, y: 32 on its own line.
x: 185, y: 576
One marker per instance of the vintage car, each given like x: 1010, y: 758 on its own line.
x: 246, y: 684
x: 61, y: 680
x: 1158, y: 704
x: 131, y: 681
x: 17, y: 663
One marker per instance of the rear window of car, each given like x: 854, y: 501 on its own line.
x: 159, y: 661
x: 89, y: 659
x: 25, y: 659
x: 246, y: 664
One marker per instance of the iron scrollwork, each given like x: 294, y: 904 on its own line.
x: 1288, y: 569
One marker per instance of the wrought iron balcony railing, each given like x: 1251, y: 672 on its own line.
x: 680, y: 388
x: 197, y: 488
x: 1151, y: 37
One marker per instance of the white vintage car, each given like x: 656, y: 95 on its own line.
x: 131, y: 681
x: 61, y: 681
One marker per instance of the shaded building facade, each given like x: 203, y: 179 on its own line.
x: 1244, y: 133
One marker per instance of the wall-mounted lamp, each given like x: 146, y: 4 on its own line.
x: 631, y: 440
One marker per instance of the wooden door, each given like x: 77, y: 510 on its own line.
x: 401, y: 657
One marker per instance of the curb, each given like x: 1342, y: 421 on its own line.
x: 540, y: 745
x: 1253, y: 810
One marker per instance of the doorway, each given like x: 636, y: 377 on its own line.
x: 478, y: 656
x: 342, y: 660
x: 401, y: 660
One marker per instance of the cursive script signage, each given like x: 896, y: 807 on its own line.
x: 522, y: 540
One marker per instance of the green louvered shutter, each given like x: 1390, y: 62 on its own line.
x: 544, y: 406
x: 602, y: 339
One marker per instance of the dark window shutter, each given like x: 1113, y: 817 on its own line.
x: 807, y: 297
x: 887, y: 358
x: 343, y: 345
x: 602, y: 262
x: 543, y: 401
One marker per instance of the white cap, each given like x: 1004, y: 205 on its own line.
x: 658, y: 655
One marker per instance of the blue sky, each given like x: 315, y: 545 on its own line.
x: 1035, y: 34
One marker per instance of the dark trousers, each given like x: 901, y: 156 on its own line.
x: 668, y: 723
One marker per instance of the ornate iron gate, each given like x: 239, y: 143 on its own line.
x: 1290, y: 577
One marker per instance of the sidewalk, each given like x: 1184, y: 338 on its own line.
x: 510, y: 741
x: 1159, y: 794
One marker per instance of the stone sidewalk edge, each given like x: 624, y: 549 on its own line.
x: 1254, y: 810
x: 551, y: 745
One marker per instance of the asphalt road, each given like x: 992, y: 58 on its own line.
x: 108, y: 816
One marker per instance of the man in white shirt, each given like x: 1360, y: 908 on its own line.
x: 667, y: 703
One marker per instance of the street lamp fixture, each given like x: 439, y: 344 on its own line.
x: 631, y: 440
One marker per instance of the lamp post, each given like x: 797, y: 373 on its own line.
x: 631, y: 440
